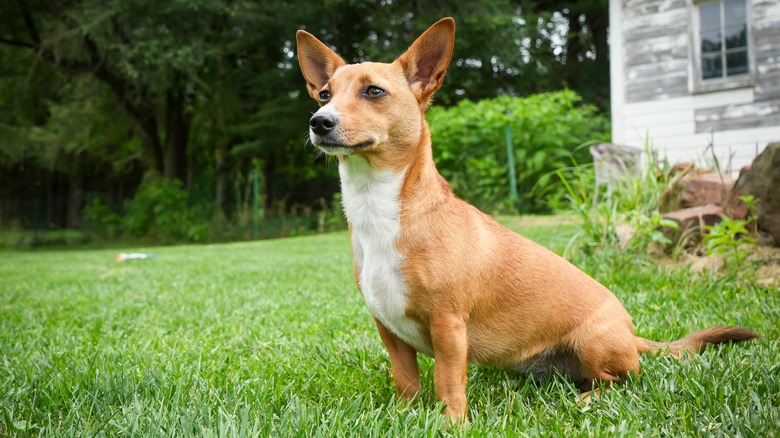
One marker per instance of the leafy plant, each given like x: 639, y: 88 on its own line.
x: 730, y: 236
x: 727, y: 236
x: 649, y: 228
x: 545, y: 130
x: 102, y: 219
x: 160, y: 211
x: 633, y: 200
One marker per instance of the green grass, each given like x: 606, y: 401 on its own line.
x: 272, y: 338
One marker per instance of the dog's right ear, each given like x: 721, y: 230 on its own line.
x: 318, y: 62
x: 425, y: 62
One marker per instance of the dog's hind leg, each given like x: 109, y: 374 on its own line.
x: 606, y: 363
x: 606, y: 349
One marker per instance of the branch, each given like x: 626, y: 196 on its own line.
x: 66, y: 64
x: 29, y: 22
x: 94, y: 53
x: 17, y: 43
x: 95, y: 66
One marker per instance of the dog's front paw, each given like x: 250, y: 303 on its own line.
x: 456, y: 418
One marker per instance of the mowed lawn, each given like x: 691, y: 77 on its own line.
x: 272, y: 338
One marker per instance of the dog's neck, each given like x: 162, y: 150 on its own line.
x: 424, y: 188
x: 371, y: 196
x: 368, y: 190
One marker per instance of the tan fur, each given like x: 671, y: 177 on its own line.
x: 482, y: 293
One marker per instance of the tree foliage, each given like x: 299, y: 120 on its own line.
x: 95, y: 94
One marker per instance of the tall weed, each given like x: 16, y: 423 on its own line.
x: 626, y: 216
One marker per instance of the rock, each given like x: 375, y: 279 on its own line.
x: 734, y: 207
x: 693, y: 217
x: 762, y: 181
x: 704, y: 214
x: 765, y: 239
x: 696, y: 188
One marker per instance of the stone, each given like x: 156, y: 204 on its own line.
x: 734, y: 207
x: 709, y: 214
x: 762, y: 181
x: 696, y: 188
x: 693, y: 219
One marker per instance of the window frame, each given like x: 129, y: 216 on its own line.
x: 696, y: 83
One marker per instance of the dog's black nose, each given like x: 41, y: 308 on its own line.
x: 322, y: 124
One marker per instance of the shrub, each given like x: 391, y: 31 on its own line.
x: 102, y: 219
x: 470, y: 145
x: 163, y: 212
x: 160, y: 210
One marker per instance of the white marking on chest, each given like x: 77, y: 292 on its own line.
x: 373, y: 207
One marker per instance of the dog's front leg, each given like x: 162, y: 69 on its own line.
x: 403, y: 363
x: 450, y: 352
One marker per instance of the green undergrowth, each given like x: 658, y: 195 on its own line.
x: 272, y: 338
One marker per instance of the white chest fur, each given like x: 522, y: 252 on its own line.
x: 373, y: 207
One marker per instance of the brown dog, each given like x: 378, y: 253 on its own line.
x: 440, y: 277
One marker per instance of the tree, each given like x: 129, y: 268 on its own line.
x: 150, y: 54
x: 201, y: 91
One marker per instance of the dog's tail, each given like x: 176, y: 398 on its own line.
x: 696, y: 342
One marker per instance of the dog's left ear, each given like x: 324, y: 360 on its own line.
x: 425, y: 62
x: 318, y: 62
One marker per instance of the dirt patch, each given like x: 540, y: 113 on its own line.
x: 769, y: 273
x: 765, y: 259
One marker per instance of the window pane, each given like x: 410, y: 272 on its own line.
x: 737, y: 63
x: 711, y: 67
x: 735, y: 11
x: 710, y: 41
x: 736, y: 36
x: 709, y: 15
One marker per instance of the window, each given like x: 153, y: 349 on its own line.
x: 721, y: 44
x: 723, y: 36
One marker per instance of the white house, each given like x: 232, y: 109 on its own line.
x: 689, y: 73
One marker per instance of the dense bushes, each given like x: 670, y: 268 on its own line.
x: 469, y: 147
x: 162, y: 211
x: 546, y: 129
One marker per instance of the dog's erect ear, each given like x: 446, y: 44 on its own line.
x: 318, y: 62
x: 425, y: 62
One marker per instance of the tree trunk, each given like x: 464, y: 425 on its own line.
x: 221, y: 177
x: 597, y: 22
x: 269, y: 176
x: 176, y: 136
x: 574, y: 50
x: 75, y: 201
x: 150, y: 140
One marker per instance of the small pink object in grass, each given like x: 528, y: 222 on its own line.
x: 134, y: 256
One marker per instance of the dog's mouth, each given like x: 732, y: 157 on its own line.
x: 343, y: 149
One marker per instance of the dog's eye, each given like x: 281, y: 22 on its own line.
x: 374, y: 91
x: 324, y: 96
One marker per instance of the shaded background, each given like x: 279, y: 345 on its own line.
x: 115, y: 109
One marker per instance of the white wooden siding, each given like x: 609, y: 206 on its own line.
x: 652, y: 97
